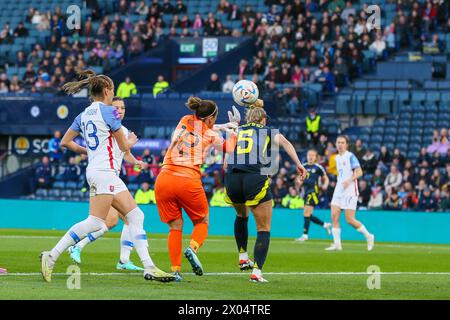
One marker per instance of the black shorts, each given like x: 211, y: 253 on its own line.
x: 247, y: 188
x: 311, y: 199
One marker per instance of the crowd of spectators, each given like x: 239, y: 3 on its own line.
x: 390, y: 181
x: 322, y: 41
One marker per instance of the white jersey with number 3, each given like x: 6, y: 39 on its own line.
x: 96, y: 124
x: 345, y: 165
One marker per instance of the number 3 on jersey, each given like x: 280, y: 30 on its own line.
x: 90, y: 135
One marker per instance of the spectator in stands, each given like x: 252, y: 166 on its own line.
x: 142, y: 8
x: 214, y: 83
x: 322, y: 145
x: 228, y: 85
x: 358, y: 149
x: 313, y: 127
x: 72, y: 171
x: 234, y: 13
x: 444, y: 205
x: 160, y: 85
x: 410, y: 200
x: 16, y: 85
x: 180, y: 7
x: 393, y: 179
x: 42, y: 175
x: 426, y: 202
x: 243, y: 68
x: 279, y: 190
x: 399, y: 157
x: 423, y: 156
x: 54, y: 151
x: 218, y: 198
x: 145, y: 195
x: 393, y: 201
x: 126, y: 88
x: 292, y: 200
x: 340, y: 71
x: 384, y: 158
x: 379, y: 45
x: 364, y: 194
x: 376, y: 199
x: 21, y: 30
x: 440, y: 144
x: 369, y: 162
x: 148, y: 157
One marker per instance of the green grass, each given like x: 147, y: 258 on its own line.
x: 19, y: 251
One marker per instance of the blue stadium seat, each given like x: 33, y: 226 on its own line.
x: 430, y: 84
x: 376, y: 138
x: 71, y: 185
x: 388, y: 84
x: 58, y: 185
x: 403, y: 130
x: 377, y: 130
x: 343, y: 104
x: 360, y: 84
x: 67, y: 193
x: 371, y: 104
x: 389, y: 138
x: 391, y: 131
x: 386, y: 103
x: 56, y: 193
x: 41, y: 193
x: 133, y: 186
x: 403, y: 139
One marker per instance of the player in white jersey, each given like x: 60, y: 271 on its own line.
x: 101, y: 128
x: 126, y: 243
x: 345, y: 196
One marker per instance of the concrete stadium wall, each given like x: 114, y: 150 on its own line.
x: 413, y: 227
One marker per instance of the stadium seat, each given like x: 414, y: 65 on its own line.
x: 41, y: 193
x: 133, y: 186
x: 67, y: 193
x: 58, y: 185
x: 71, y: 185
x: 54, y: 193
x: 343, y: 104
x: 371, y: 104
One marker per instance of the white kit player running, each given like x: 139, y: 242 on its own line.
x: 126, y: 243
x: 101, y: 128
x: 345, y: 196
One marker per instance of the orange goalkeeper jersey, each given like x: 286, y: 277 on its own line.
x: 190, y: 143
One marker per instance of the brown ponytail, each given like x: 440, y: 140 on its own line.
x: 95, y: 83
x: 202, y: 108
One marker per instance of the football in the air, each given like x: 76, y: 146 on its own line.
x: 245, y: 93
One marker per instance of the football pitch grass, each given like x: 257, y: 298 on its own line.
x: 294, y: 270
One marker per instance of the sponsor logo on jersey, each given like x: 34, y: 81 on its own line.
x: 111, y: 188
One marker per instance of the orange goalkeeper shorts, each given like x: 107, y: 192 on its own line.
x: 175, y: 192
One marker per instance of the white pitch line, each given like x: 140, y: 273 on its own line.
x: 291, y: 241
x: 30, y: 274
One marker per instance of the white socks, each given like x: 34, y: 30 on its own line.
x: 91, y: 237
x: 126, y: 244
x: 243, y: 256
x: 336, y: 236
x: 77, y: 232
x: 364, y: 231
x: 135, y: 220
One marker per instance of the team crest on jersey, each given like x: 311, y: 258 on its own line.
x: 111, y: 188
x: 93, y: 190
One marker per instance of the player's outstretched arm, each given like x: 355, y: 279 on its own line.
x: 130, y: 158
x: 280, y: 140
x: 67, y: 142
x: 124, y: 143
